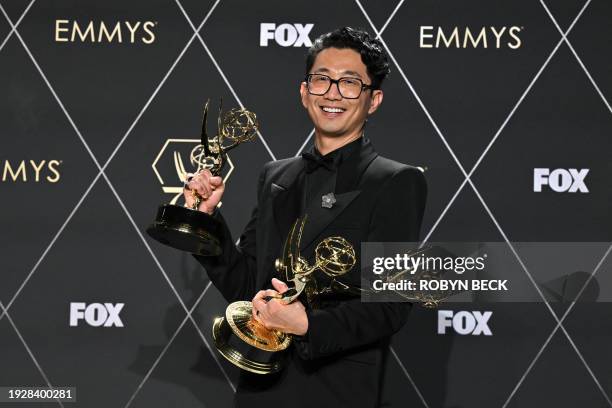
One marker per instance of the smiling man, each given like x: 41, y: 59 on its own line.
x: 340, y: 345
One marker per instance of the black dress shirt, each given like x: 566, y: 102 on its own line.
x: 321, y: 171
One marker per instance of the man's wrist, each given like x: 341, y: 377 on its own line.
x: 302, y: 326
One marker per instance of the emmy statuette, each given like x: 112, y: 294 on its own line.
x: 244, y: 341
x: 188, y: 229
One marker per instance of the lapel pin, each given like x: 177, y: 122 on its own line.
x: 328, y: 200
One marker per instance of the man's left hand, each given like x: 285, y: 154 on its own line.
x: 276, y: 315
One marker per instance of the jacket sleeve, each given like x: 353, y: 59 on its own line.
x: 234, y: 271
x: 396, y: 217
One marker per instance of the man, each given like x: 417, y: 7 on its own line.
x: 346, y: 189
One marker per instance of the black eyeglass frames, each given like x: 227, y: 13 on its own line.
x: 349, y: 87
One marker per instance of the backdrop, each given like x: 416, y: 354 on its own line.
x: 506, y: 103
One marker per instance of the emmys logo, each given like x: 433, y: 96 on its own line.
x: 484, y: 37
x: 30, y: 171
x: 101, y: 32
x: 169, y: 165
x: 560, y: 180
x: 285, y: 35
x: 96, y: 314
x: 463, y: 323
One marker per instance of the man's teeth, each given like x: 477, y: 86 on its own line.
x: 333, y: 110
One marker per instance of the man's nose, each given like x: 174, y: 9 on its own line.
x: 334, y: 92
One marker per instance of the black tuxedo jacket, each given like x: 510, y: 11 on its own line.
x: 340, y: 361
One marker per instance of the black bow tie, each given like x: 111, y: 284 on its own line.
x: 314, y: 161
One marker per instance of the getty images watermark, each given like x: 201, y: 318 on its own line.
x: 484, y: 272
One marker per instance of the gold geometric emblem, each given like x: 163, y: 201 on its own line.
x: 169, y: 164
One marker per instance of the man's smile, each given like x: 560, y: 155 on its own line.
x: 332, y: 111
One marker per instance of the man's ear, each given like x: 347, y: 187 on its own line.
x: 303, y: 94
x: 375, y: 100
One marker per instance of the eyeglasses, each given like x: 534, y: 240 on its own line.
x: 349, y: 87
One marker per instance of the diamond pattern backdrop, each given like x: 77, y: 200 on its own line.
x: 94, y: 117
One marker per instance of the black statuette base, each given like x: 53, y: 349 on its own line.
x: 187, y: 230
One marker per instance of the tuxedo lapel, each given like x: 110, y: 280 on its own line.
x: 350, y: 173
x: 287, y: 198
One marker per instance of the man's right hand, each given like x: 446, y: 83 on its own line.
x: 209, y: 187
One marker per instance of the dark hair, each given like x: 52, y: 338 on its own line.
x: 372, y: 52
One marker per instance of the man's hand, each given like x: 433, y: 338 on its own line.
x: 276, y: 315
x: 209, y: 187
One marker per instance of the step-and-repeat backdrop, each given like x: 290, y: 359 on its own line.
x: 506, y: 103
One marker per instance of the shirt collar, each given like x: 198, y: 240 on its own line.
x: 340, y: 154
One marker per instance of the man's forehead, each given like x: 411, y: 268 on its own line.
x: 340, y: 61
x: 324, y: 70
